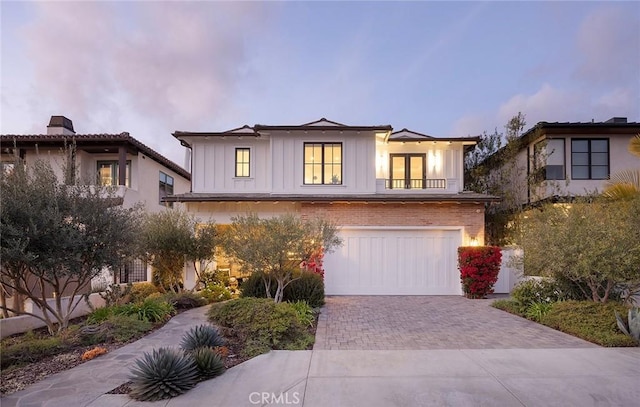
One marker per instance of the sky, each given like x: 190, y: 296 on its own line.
x: 441, y: 68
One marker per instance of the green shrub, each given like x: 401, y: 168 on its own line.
x: 115, y: 328
x: 308, y: 287
x: 185, y: 300
x: 30, y: 349
x: 162, y: 374
x: 509, y: 305
x: 220, y: 277
x: 304, y: 312
x: 140, y: 291
x: 99, y: 315
x: 123, y: 328
x: 260, y: 324
x: 591, y: 321
x: 536, y: 291
x: 152, y: 310
x: 253, y: 287
x: 214, y: 292
x: 538, y: 310
x: 116, y: 294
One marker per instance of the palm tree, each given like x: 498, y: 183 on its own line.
x: 625, y: 184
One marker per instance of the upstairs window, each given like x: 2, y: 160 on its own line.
x: 589, y: 159
x: 166, y: 188
x: 108, y: 174
x: 243, y: 156
x: 549, y: 158
x: 323, y: 163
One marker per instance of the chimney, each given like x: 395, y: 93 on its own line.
x: 60, y: 125
x: 617, y: 120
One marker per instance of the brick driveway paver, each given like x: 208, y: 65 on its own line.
x: 429, y: 322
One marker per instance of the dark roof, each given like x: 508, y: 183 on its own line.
x: 246, y: 130
x: 612, y: 127
x: 468, y: 197
x: 86, y: 140
x: 415, y: 136
x: 616, y: 125
x: 323, y: 120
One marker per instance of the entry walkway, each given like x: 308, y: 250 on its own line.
x: 429, y: 322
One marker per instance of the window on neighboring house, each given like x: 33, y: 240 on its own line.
x: 589, y: 158
x: 108, y: 173
x: 166, y: 188
x: 243, y: 156
x: 549, y: 158
x: 323, y: 163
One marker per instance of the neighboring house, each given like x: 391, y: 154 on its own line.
x: 398, y: 197
x: 566, y: 160
x: 97, y: 159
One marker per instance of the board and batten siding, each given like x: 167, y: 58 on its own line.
x: 358, y: 164
x: 214, y: 166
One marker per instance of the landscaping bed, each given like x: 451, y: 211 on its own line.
x: 588, y: 320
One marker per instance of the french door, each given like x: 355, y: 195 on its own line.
x: 407, y: 171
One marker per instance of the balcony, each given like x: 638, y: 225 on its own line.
x: 417, y: 186
x: 419, y: 183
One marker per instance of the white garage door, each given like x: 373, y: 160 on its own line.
x: 394, y: 262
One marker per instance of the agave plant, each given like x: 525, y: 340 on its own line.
x: 162, y: 374
x: 208, y: 362
x: 201, y: 336
x: 632, y: 328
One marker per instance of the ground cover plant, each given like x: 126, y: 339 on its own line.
x: 260, y: 325
x: 541, y: 301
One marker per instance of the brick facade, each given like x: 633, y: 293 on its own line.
x: 469, y: 216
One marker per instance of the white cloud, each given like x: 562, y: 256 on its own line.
x: 609, y: 45
x: 176, y: 62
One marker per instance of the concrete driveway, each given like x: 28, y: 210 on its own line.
x: 429, y: 322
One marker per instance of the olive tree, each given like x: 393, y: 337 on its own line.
x: 594, y: 243
x: 275, y: 247
x: 170, y: 238
x: 56, y: 238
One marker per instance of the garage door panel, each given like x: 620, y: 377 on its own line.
x: 394, y: 262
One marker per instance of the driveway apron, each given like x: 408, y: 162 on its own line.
x: 429, y: 322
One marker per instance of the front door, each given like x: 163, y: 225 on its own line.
x: 407, y: 171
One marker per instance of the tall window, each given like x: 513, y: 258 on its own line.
x: 166, y: 188
x: 549, y: 157
x: 323, y: 163
x: 108, y: 173
x: 242, y: 162
x: 589, y: 158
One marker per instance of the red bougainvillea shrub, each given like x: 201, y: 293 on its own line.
x: 479, y: 268
x: 315, y: 262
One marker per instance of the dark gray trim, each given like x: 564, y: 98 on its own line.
x: 464, y: 197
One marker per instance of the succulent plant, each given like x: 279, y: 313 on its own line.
x: 632, y: 327
x: 162, y: 374
x: 208, y: 362
x: 201, y: 336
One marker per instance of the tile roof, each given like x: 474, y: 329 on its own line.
x: 60, y: 139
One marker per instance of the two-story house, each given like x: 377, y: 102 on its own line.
x: 398, y: 197
x: 563, y: 160
x: 96, y: 159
